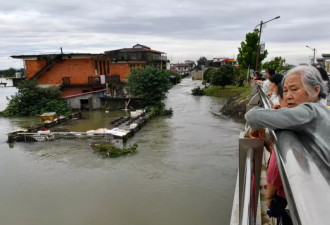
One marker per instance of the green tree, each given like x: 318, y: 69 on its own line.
x: 224, y: 76
x: 177, y: 76
x: 209, y: 73
x: 278, y: 63
x: 201, y: 62
x: 32, y: 100
x: 150, y: 83
x: 10, y: 72
x: 247, y: 53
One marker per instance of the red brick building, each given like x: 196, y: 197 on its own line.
x: 77, y: 73
x: 73, y: 73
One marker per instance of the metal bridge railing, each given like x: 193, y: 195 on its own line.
x: 248, y: 198
x: 307, y: 190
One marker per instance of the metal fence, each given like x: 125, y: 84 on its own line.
x: 307, y: 190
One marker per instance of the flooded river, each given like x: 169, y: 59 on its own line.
x: 184, y: 171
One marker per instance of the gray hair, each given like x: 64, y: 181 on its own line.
x: 310, y: 78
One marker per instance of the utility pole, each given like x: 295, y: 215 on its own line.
x: 313, y: 53
x: 258, y: 52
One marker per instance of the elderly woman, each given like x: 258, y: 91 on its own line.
x: 302, y: 90
x: 302, y: 114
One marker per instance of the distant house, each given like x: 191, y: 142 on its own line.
x: 74, y: 73
x: 182, y: 68
x: 139, y: 56
x: 325, y: 62
x: 217, y: 62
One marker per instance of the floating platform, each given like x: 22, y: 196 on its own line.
x: 17, y: 134
x: 124, y: 128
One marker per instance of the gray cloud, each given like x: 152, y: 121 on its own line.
x: 185, y: 29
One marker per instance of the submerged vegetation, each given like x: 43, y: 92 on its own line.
x: 32, y: 100
x: 197, y: 91
x: 109, y: 151
x: 159, y: 110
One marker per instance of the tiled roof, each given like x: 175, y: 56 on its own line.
x: 138, y: 50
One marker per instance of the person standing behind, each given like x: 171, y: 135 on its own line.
x: 274, y: 83
x: 325, y: 78
x: 265, y: 84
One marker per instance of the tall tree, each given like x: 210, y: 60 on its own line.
x: 202, y: 61
x: 247, y: 53
x: 151, y: 84
x: 223, y: 76
x: 278, y: 63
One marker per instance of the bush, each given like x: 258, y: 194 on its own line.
x: 224, y: 76
x: 197, y: 91
x: 159, y: 110
x: 209, y: 73
x: 32, y: 100
x: 175, y: 77
x: 108, y: 150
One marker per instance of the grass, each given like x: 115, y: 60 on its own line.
x: 229, y: 91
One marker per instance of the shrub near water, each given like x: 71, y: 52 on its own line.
x: 32, y: 100
x: 197, y: 91
x: 108, y: 150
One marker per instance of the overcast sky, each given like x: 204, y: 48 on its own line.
x: 183, y: 29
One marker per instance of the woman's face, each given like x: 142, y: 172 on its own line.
x: 294, y: 92
x: 273, y: 87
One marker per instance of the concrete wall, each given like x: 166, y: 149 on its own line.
x: 94, y: 101
x: 197, y: 75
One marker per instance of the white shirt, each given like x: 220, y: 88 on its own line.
x: 265, y: 86
x: 275, y: 99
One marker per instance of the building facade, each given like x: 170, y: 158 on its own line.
x: 73, y: 73
x: 77, y: 73
x: 124, y: 60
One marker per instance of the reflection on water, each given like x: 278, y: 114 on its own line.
x: 184, y: 172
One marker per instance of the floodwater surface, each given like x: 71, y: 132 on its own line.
x: 184, y: 171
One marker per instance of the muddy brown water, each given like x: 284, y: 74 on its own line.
x: 184, y: 172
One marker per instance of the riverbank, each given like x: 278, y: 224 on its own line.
x: 237, y: 99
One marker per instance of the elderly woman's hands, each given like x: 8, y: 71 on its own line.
x: 257, y: 134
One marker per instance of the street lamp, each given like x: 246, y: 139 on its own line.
x: 314, y: 53
x: 258, y: 52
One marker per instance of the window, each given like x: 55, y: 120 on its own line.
x: 66, y: 80
x: 100, y: 67
x: 95, y: 67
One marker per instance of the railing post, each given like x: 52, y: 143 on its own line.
x: 244, y: 145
